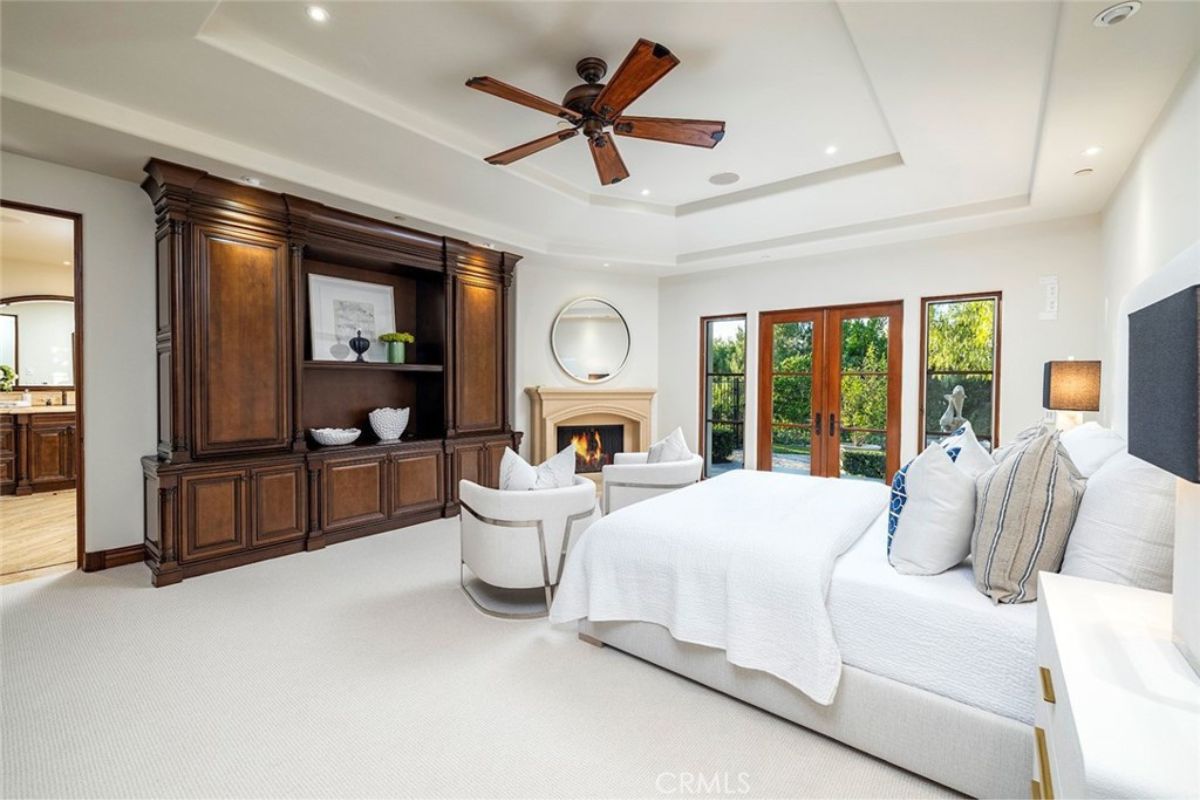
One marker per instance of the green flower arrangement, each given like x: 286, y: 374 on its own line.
x: 395, y: 345
x: 8, y: 378
x: 404, y: 338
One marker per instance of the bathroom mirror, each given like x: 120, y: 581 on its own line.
x: 37, y: 339
x: 590, y: 340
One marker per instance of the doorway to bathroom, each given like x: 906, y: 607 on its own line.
x: 41, y: 391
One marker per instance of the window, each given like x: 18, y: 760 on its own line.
x: 724, y: 394
x: 960, y: 362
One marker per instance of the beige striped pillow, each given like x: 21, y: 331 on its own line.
x: 1024, y: 511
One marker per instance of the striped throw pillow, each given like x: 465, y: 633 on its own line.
x: 1024, y: 511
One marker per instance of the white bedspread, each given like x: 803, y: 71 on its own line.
x: 741, y: 562
x: 934, y: 632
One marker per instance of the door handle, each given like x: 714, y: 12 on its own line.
x: 818, y: 423
x: 832, y: 424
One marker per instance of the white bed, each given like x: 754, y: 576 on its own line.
x: 926, y: 672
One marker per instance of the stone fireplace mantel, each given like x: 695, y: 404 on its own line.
x: 551, y: 406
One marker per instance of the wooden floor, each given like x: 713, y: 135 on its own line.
x: 37, y: 535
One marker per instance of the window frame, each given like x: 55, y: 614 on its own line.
x: 996, y: 295
x: 702, y: 440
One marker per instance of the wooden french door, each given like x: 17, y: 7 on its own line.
x: 829, y: 391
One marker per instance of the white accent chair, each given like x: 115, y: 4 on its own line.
x: 629, y: 479
x: 514, y: 540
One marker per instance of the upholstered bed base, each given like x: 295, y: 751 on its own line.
x: 970, y: 750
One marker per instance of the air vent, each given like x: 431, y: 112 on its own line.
x: 1117, y: 14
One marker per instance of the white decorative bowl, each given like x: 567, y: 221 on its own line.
x: 335, y: 436
x: 389, y: 423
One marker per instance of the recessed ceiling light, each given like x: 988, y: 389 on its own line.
x: 724, y: 178
x: 250, y: 179
x: 607, y: 264
x: 645, y: 192
x: 318, y: 14
x: 66, y: 263
x: 1084, y: 171
x: 832, y: 149
x: 1114, y: 15
x: 1094, y: 150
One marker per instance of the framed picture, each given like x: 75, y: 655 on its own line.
x: 340, y: 308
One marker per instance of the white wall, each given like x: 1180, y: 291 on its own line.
x: 25, y: 277
x: 118, y: 341
x: 1010, y: 260
x: 542, y: 289
x: 1152, y: 217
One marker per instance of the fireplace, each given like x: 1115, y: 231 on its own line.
x: 595, y: 445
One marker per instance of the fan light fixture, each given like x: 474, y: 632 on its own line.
x: 592, y: 107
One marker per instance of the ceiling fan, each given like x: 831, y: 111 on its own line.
x: 593, y: 106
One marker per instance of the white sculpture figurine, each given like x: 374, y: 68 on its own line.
x: 953, y: 417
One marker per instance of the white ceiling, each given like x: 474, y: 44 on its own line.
x: 33, y: 238
x: 946, y: 116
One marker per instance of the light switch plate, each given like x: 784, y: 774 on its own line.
x: 1049, y: 287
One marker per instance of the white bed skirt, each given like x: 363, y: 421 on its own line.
x: 973, y: 751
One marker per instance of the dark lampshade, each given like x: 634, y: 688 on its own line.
x: 1164, y: 384
x: 1071, y: 386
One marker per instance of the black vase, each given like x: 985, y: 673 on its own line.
x: 360, y: 345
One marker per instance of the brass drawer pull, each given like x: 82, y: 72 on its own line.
x: 1047, y: 685
x: 1044, y: 763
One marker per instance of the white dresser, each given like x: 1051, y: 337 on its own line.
x: 1119, y: 708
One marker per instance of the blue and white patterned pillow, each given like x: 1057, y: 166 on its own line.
x: 900, y: 491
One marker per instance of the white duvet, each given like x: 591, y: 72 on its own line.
x: 747, y: 569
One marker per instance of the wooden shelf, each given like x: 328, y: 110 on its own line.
x: 373, y: 365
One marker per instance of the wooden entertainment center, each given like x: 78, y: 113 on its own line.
x: 236, y: 478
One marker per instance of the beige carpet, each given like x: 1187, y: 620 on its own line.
x: 362, y: 670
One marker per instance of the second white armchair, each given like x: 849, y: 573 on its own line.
x: 629, y: 479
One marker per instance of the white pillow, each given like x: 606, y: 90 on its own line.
x: 1125, y: 530
x: 932, y: 532
x: 672, y: 448
x: 1089, y: 445
x: 557, y: 472
x: 966, y: 452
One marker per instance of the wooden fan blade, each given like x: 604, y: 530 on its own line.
x: 529, y: 148
x: 608, y: 161
x: 505, y: 91
x: 696, y: 132
x: 641, y: 69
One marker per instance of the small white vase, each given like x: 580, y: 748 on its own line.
x: 389, y: 423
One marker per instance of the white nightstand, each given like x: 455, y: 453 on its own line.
x: 1119, y: 707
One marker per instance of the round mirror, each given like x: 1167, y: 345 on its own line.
x: 590, y: 340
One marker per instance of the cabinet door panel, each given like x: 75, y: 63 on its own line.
x: 354, y: 492
x: 466, y: 464
x: 479, y: 355
x: 241, y: 331
x: 278, y: 501
x: 214, y: 514
x: 418, y: 483
x: 50, y: 452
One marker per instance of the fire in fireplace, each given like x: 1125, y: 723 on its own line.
x: 595, y: 445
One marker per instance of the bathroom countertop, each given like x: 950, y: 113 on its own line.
x: 38, y: 410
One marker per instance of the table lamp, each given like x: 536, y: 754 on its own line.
x: 1070, y: 388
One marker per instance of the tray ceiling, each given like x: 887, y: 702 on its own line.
x: 942, y: 115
